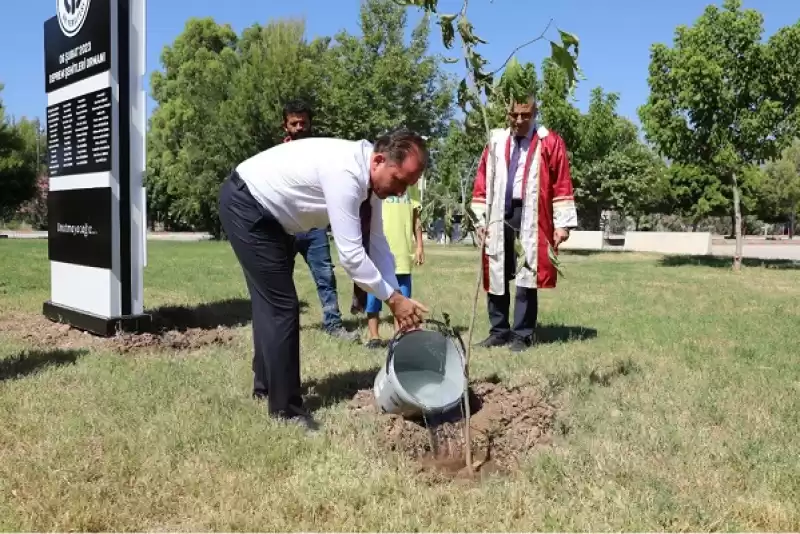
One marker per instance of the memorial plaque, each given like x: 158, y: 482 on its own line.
x: 79, y: 226
x: 79, y: 134
x: 96, y: 119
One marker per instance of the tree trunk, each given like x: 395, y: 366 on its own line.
x: 791, y: 225
x: 737, y: 212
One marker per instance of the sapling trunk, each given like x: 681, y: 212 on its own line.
x: 481, y: 243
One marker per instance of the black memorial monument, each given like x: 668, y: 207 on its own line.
x: 94, y: 79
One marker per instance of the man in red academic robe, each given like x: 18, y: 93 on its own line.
x: 523, y: 189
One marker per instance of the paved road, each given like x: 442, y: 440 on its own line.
x: 784, y: 251
x: 772, y: 252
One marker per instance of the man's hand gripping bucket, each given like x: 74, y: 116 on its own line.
x: 423, y: 373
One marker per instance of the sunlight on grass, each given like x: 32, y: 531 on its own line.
x: 677, y: 388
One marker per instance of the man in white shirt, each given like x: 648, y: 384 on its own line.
x: 289, y: 189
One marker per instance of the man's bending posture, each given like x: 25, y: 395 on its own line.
x: 291, y: 188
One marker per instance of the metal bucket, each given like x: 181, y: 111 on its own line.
x: 423, y: 373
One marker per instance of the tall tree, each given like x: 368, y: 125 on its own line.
x: 18, y: 166
x: 780, y: 188
x: 220, y: 99
x: 34, y: 151
x: 713, y: 103
x: 556, y: 110
x: 371, y: 83
x: 275, y: 65
x: 612, y: 169
x: 186, y: 142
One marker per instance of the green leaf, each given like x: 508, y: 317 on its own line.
x: 554, y: 259
x: 448, y: 33
x: 477, y: 63
x: 450, y: 60
x: 561, y: 57
x: 462, y: 94
x: 521, y: 261
x: 467, y: 34
x: 516, y: 83
x: 570, y: 39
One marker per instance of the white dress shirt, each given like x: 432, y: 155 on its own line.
x: 524, y: 148
x: 310, y: 183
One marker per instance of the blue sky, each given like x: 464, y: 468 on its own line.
x: 615, y: 35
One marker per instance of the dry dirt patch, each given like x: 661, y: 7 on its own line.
x: 506, y: 424
x: 38, y: 331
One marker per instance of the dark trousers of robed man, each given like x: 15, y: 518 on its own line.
x: 526, y: 299
x: 266, y: 253
x: 526, y: 303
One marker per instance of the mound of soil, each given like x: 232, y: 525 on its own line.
x: 190, y: 338
x: 39, y: 331
x: 506, y: 423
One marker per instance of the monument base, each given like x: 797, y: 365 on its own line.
x: 96, y: 324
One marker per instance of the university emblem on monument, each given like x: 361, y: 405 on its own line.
x: 71, y: 15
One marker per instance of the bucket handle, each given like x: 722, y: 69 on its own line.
x: 443, y: 327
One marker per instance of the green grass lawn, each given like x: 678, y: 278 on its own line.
x: 701, y: 433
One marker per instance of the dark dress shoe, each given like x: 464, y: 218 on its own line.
x: 300, y: 417
x: 520, y: 345
x: 493, y: 341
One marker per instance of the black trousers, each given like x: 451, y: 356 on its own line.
x: 526, y: 302
x: 266, y: 254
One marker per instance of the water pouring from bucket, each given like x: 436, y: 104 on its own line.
x: 423, y: 373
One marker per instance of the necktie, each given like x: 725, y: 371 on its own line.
x: 512, y: 173
x: 359, y: 303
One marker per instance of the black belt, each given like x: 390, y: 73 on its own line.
x: 237, y: 180
x: 516, y: 205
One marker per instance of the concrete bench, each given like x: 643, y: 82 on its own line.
x: 583, y: 240
x: 691, y: 243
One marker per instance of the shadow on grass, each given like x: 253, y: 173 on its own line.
x: 578, y: 252
x: 724, y: 262
x: 30, y: 362
x: 226, y: 313
x: 337, y: 387
x: 602, y: 376
x: 560, y: 333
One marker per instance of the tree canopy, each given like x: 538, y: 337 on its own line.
x: 220, y: 98
x: 721, y: 100
x: 721, y: 113
x: 18, y: 164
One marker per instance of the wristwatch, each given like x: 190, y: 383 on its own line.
x: 395, y: 292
